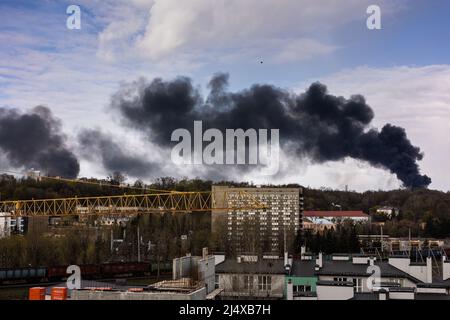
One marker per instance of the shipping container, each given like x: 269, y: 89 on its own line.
x: 59, y: 293
x: 36, y: 293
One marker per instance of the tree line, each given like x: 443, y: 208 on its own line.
x: 164, y: 236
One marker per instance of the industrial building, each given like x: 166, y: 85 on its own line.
x: 192, y: 279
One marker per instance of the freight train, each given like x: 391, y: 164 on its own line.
x: 88, y: 271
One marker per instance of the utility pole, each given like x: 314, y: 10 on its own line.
x: 409, y: 241
x: 138, y: 244
x: 112, y: 240
x: 381, y: 240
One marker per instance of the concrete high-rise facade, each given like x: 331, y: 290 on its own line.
x: 249, y: 228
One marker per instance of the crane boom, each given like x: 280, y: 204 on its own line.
x: 122, y: 204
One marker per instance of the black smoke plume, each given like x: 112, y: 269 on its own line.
x: 314, y: 124
x: 34, y: 140
x: 99, y: 146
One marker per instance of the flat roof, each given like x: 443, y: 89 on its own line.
x: 336, y: 214
x: 262, y: 266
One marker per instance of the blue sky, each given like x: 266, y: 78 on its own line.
x: 403, y: 69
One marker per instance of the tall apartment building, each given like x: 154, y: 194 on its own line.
x: 247, y: 228
x: 10, y: 225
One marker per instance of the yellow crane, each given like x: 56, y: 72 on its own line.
x: 154, y: 200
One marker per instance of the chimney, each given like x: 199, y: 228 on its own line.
x: 239, y: 259
x: 429, y: 270
x: 319, y: 261
x: 445, y: 268
x: 205, y: 253
x: 371, y: 261
x: 286, y: 261
x: 290, y: 290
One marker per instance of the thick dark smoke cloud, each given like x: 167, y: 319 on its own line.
x: 96, y: 145
x: 34, y: 140
x: 315, y: 124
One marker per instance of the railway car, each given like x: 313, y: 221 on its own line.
x: 88, y: 271
x: 164, y: 268
x: 127, y: 268
x: 22, y: 274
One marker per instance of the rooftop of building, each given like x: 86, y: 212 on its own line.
x: 386, y: 208
x: 436, y: 284
x: 183, y: 285
x: 306, y: 268
x: 348, y: 268
x: 336, y: 214
x: 303, y: 268
x: 321, y: 221
x: 257, y: 188
x: 90, y: 285
x: 262, y: 266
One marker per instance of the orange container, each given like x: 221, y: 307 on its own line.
x: 36, y: 293
x: 136, y: 290
x: 59, y: 293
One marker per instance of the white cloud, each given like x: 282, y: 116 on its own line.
x: 209, y: 29
x: 350, y: 173
x: 123, y: 21
x: 176, y: 24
